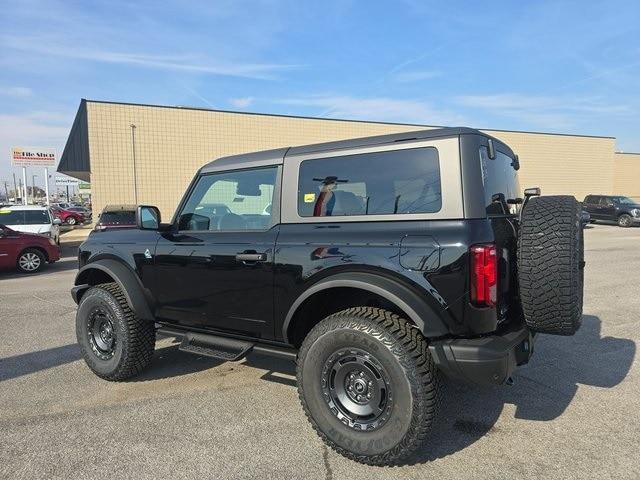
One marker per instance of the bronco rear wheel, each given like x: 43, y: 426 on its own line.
x: 115, y: 344
x: 368, y: 385
x: 551, y: 264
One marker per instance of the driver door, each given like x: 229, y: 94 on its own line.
x: 214, y: 269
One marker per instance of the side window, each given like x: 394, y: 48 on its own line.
x: 380, y: 183
x: 588, y: 199
x: 228, y: 201
x: 605, y: 201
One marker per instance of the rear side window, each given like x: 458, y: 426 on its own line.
x: 498, y: 177
x: 380, y: 183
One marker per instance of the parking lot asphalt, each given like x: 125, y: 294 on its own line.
x: 573, y: 412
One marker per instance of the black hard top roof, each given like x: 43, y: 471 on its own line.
x: 276, y: 156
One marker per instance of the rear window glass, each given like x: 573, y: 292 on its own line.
x: 123, y: 217
x: 380, y: 183
x: 24, y: 217
x: 499, y: 177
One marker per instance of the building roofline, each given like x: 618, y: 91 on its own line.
x: 304, y: 117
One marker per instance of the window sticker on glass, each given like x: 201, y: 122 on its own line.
x: 309, y: 197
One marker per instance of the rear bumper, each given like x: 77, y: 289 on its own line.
x: 487, y: 361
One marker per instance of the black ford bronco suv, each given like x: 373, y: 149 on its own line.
x: 378, y: 264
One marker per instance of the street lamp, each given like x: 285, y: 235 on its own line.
x: 135, y: 170
x: 33, y: 188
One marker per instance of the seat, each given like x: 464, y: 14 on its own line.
x: 346, y: 203
x: 231, y: 221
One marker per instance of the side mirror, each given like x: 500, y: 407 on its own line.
x: 147, y: 217
x: 57, y: 221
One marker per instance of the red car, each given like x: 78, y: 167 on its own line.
x: 67, y: 216
x: 27, y: 252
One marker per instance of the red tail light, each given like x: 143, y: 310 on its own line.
x: 484, y: 275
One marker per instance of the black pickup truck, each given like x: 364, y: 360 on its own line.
x: 379, y: 265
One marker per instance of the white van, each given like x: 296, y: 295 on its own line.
x: 31, y: 219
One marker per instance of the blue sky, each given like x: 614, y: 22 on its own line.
x: 552, y: 66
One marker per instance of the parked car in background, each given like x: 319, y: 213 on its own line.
x: 31, y: 219
x: 585, y: 218
x: 26, y: 252
x: 116, y: 216
x: 614, y: 208
x: 67, y: 216
x: 81, y: 210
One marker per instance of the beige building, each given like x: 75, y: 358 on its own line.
x: 626, y: 177
x: 148, y: 154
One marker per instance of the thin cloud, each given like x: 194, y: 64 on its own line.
x: 185, y: 63
x: 542, y: 111
x: 46, y: 129
x: 243, y: 102
x: 407, y: 77
x: 16, y: 92
x: 377, y: 109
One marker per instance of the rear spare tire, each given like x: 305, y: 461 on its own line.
x: 551, y: 264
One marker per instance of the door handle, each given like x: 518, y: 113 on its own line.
x: 251, y: 257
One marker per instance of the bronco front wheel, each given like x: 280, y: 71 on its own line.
x: 368, y: 385
x: 115, y: 343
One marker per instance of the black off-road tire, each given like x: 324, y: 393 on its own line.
x: 551, y: 264
x: 134, y: 338
x: 401, y: 352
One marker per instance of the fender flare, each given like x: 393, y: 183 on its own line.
x: 415, y: 306
x: 126, y: 279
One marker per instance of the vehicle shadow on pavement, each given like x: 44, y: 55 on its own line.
x: 170, y: 362
x: 543, y: 390
x: 32, y: 362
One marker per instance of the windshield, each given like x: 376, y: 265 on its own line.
x: 121, y: 217
x: 24, y: 217
x: 624, y: 200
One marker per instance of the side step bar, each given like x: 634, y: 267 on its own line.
x: 224, y: 348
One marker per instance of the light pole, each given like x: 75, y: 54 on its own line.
x: 135, y: 170
x: 33, y: 188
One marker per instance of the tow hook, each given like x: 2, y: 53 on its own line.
x: 509, y: 381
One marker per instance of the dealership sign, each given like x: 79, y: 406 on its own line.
x: 33, y: 157
x: 84, y: 188
x: 66, y: 182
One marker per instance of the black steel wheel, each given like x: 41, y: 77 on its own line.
x: 101, y: 333
x: 115, y: 343
x: 368, y: 385
x: 357, y: 388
